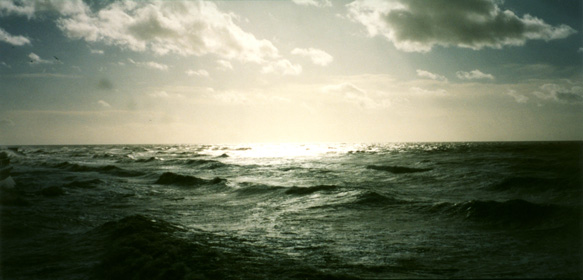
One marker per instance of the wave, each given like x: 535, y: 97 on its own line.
x: 150, y: 159
x: 169, y: 178
x: 108, y: 169
x: 397, y: 169
x: 247, y: 188
x: 375, y: 199
x: 534, y: 184
x: 84, y: 184
x: 143, y: 247
x: 310, y: 190
x: 205, y: 163
x: 511, y: 213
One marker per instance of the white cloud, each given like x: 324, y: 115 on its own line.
x: 150, y: 65
x: 426, y: 74
x: 419, y: 25
x: 224, y: 65
x: 317, y: 3
x: 5, y: 64
x: 561, y: 93
x: 154, y: 65
x: 473, y: 75
x: 181, y: 27
x: 317, y: 56
x: 34, y: 58
x: 104, y: 104
x: 13, y: 40
x: 354, y: 94
x: 520, y: 98
x: 199, y: 73
x: 419, y: 90
x: 282, y: 66
x: 580, y: 50
x: 96, y: 51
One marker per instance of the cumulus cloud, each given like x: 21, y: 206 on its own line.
x: 154, y: 65
x: 13, y: 40
x: 473, y: 75
x: 520, y: 98
x: 282, y: 66
x: 318, y: 57
x: 317, y: 3
x: 34, y: 58
x: 354, y: 94
x: 199, y: 73
x: 427, y: 74
x: 562, y: 94
x: 180, y: 27
x: 419, y: 25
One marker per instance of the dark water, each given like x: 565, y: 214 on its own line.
x: 330, y: 211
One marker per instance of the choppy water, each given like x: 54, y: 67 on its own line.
x: 416, y: 210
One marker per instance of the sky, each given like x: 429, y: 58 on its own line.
x: 139, y: 72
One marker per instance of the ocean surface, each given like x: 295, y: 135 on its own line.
x: 291, y: 211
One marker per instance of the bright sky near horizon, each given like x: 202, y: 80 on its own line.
x: 117, y: 72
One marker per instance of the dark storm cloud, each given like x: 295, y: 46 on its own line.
x: 418, y: 25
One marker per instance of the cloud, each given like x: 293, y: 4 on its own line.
x: 354, y: 94
x: 164, y: 94
x: 419, y: 25
x: 473, y: 75
x: 13, y: 40
x: 150, y: 65
x: 5, y: 64
x: 199, y: 73
x: 153, y: 65
x: 104, y: 104
x: 34, y: 58
x: 282, y: 66
x: 518, y: 97
x: 96, y: 51
x: 562, y: 94
x: 317, y: 3
x: 181, y: 27
x: 580, y: 50
x: 419, y: 90
x: 318, y: 57
x: 426, y: 74
x: 31, y: 8
x: 224, y: 65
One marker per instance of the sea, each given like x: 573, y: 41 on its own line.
x: 292, y: 211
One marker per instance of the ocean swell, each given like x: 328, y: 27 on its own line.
x: 397, y: 169
x: 169, y: 178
